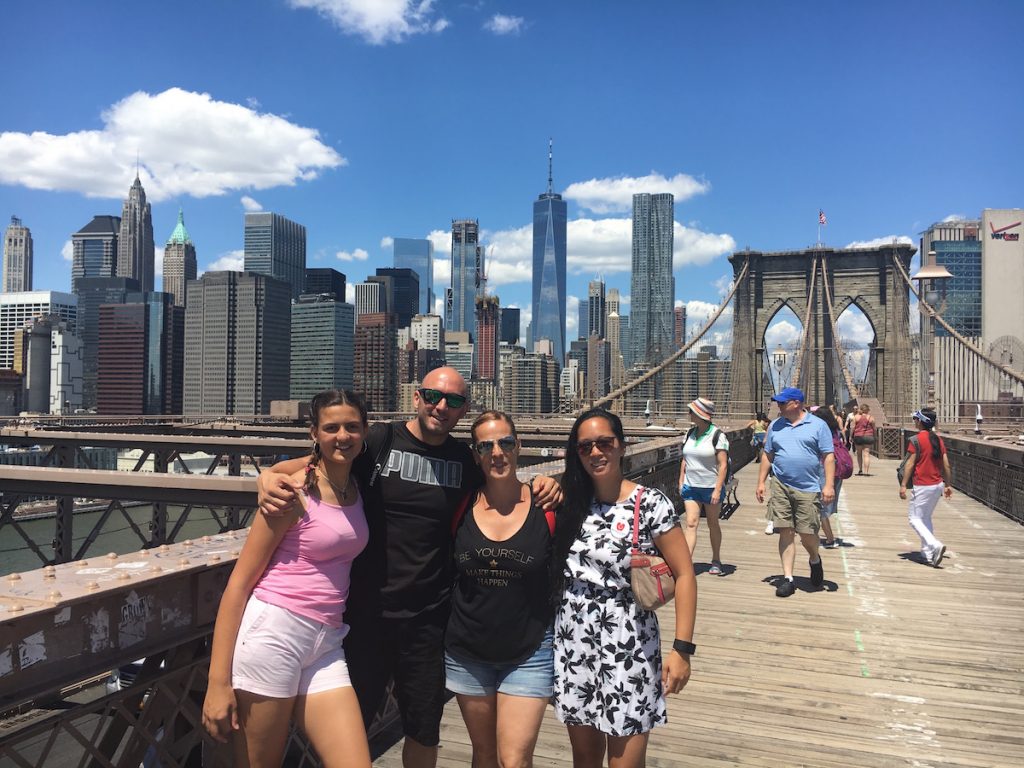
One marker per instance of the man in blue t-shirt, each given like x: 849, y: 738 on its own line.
x: 795, y: 448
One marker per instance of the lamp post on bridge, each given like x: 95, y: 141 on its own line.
x: 934, y: 274
x: 779, y: 358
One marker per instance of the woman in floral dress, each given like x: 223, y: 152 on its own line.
x: 610, y: 679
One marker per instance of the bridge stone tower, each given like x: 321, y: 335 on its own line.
x: 867, y: 278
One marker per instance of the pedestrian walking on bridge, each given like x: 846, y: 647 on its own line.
x: 927, y: 471
x: 797, y: 445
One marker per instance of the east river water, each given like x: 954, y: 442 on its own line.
x: 116, y: 536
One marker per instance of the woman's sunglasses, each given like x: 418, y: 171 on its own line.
x: 507, y: 444
x: 604, y: 444
x: 435, y: 396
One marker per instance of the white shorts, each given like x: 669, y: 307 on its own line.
x: 281, y: 654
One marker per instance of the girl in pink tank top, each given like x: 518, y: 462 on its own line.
x: 277, y: 650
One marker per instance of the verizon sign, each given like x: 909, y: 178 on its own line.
x: 1004, y: 233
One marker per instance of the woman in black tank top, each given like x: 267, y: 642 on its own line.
x: 498, y: 660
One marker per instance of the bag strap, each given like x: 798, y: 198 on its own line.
x: 460, y: 512
x: 383, y: 453
x: 689, y: 433
x: 636, y: 519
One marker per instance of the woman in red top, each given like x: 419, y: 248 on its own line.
x: 928, y: 466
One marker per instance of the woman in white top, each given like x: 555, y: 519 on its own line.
x: 702, y: 473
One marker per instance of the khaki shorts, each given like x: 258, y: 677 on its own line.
x: 790, y: 508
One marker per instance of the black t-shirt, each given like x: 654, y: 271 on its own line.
x: 500, y: 604
x: 406, y: 568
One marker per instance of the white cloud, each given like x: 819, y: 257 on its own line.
x: 572, y: 316
x: 252, y: 206
x: 387, y: 242
x: 356, y: 255
x: 219, y: 147
x: 67, y: 251
x: 442, y: 240
x: 350, y: 293
x: 613, y: 195
x: 378, y: 21
x: 855, y: 329
x: 782, y: 332
x: 501, y: 24
x: 878, y: 242
x: 232, y: 261
x: 954, y: 217
x: 158, y: 264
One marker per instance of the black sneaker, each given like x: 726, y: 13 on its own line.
x: 817, y: 573
x: 785, y: 588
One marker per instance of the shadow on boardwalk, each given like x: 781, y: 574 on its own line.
x: 891, y: 663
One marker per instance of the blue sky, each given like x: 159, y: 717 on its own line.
x: 370, y: 119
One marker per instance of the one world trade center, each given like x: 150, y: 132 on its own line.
x: 549, y: 223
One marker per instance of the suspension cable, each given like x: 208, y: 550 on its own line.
x: 611, y: 396
x: 934, y: 315
x: 836, y: 341
x: 805, y: 336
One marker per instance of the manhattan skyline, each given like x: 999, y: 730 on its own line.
x: 753, y: 117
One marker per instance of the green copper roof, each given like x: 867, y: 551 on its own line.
x: 180, y: 234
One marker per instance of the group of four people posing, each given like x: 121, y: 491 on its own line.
x: 395, y: 552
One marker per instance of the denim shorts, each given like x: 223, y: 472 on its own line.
x: 702, y: 495
x: 533, y: 677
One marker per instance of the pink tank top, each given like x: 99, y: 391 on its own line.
x: 309, y: 571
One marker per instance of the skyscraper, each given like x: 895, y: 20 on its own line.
x: 140, y: 355
x: 17, y: 310
x: 17, y: 276
x: 405, y: 292
x: 418, y: 255
x: 324, y: 280
x: 94, y: 292
x: 680, y: 325
x: 276, y: 246
x: 550, y: 215
x: 582, y: 318
x: 237, y: 337
x: 49, y: 357
x: 375, y: 371
x: 369, y: 298
x: 135, y: 253
x: 322, y: 345
x: 487, y: 312
x: 510, y: 325
x: 651, y: 316
x: 467, y: 269
x: 179, y: 262
x: 597, y: 314
x: 94, y: 249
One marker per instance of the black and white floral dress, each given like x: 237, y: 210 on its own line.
x: 607, y: 648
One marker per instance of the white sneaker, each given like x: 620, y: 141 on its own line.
x: 770, y: 528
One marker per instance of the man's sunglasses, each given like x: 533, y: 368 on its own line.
x: 435, y: 396
x: 604, y: 444
x: 485, y: 447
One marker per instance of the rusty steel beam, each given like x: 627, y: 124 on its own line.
x: 68, y: 622
x: 212, y: 490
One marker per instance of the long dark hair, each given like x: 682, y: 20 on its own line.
x: 326, y: 399
x: 578, y: 494
x: 826, y: 415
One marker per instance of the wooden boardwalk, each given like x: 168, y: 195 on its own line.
x: 892, y: 663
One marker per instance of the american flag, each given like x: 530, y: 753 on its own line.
x: 821, y: 217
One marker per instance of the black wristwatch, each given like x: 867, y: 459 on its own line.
x: 685, y: 647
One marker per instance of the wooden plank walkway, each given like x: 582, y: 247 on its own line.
x: 892, y: 663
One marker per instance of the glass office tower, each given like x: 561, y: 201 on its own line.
x: 418, y: 255
x: 549, y: 250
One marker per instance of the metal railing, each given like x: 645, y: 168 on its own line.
x: 992, y: 473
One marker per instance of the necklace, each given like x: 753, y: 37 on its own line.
x: 342, y: 492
